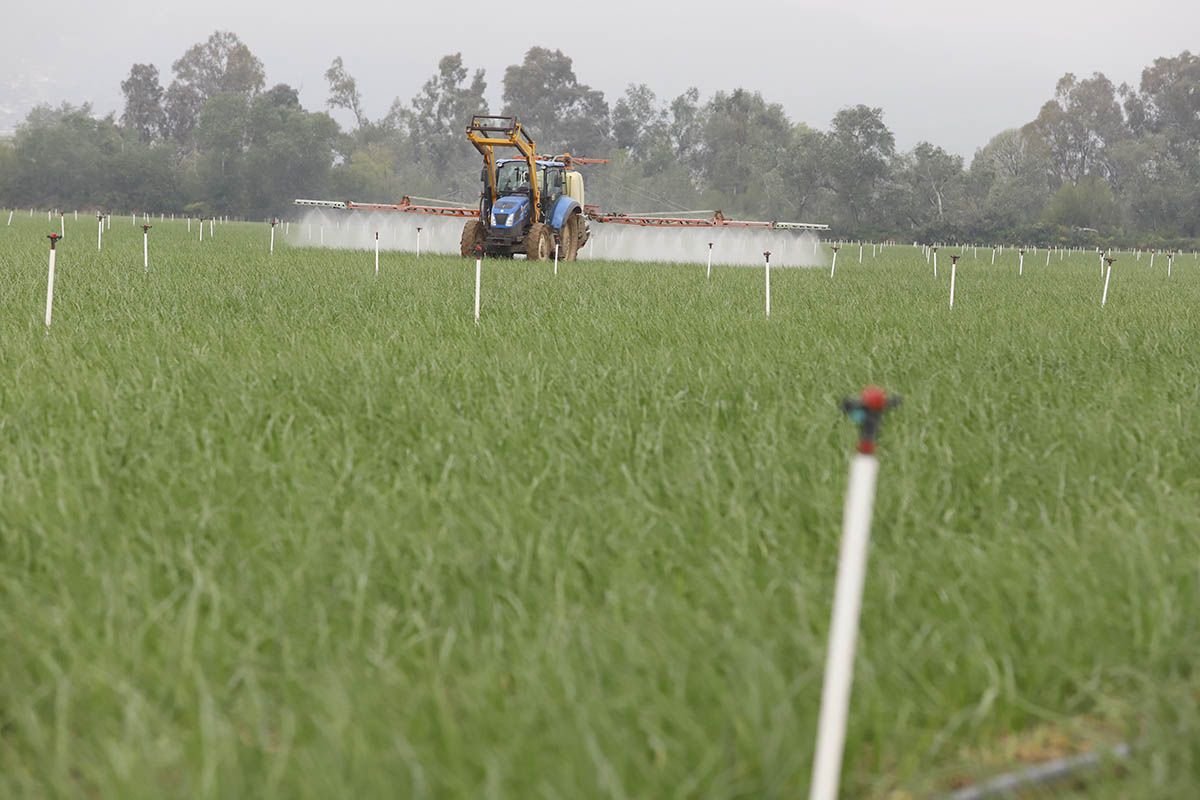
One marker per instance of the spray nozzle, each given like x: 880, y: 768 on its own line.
x: 53, y: 237
x: 146, y: 228
x: 866, y: 411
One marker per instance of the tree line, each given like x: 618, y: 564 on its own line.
x: 1100, y: 162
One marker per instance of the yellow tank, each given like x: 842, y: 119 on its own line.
x: 574, y: 187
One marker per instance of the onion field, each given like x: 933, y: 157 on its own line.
x: 272, y: 525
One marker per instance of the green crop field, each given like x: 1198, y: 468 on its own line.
x: 271, y: 526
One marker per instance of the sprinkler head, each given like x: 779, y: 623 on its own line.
x: 146, y: 228
x: 1109, y: 260
x: 866, y: 411
x: 54, y: 237
x: 835, y: 248
x: 767, y: 255
x: 954, y: 259
x: 934, y: 248
x: 478, y: 250
x: 710, y: 244
x: 274, y: 222
x: 1021, y: 251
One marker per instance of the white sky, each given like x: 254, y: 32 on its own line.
x: 954, y: 73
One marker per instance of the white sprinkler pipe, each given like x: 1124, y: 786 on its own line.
x: 953, y: 270
x: 833, y: 266
x: 1107, y: 275
x: 146, y: 248
x: 767, y: 274
x: 708, y: 271
x: 478, y: 278
x: 556, y: 258
x: 867, y: 411
x: 271, y: 250
x: 419, y: 243
x: 376, y: 253
x: 50, y: 280
x: 99, y: 232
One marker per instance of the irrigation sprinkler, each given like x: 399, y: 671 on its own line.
x: 1047, y: 257
x: 1170, y: 261
x: 866, y: 411
x: 833, y: 266
x: 860, y: 251
x: 212, y: 222
x: 202, y: 230
x: 274, y: 222
x: 767, y: 274
x: 99, y: 230
x: 419, y: 246
x: 1107, y: 275
x: 993, y: 255
x: 54, y: 237
x: 189, y: 224
x: 10, y: 213
x: 1152, y: 254
x: 708, y: 271
x: 478, y: 277
x: 146, y: 246
x: 1021, y: 262
x: 108, y: 222
x: 62, y: 225
x: 77, y: 215
x: 376, y: 254
x: 934, y: 248
x: 556, y: 258
x: 287, y: 228
x: 953, y: 270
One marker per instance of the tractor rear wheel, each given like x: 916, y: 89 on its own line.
x: 539, y: 243
x: 473, y: 236
x: 569, y: 238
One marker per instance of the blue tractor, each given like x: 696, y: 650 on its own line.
x: 528, y: 205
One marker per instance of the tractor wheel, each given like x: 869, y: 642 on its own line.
x: 570, y: 239
x: 472, y: 236
x: 539, y: 243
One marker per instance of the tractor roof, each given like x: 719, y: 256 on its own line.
x: 540, y: 162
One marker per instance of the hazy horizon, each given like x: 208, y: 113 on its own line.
x: 941, y: 71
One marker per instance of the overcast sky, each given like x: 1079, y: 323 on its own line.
x: 954, y: 73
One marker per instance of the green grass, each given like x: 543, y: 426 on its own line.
x: 274, y: 527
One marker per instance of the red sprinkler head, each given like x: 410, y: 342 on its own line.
x: 54, y: 237
x: 478, y: 250
x: 867, y: 412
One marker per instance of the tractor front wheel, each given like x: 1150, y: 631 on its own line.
x: 473, y: 236
x: 539, y: 243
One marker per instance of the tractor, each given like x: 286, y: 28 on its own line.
x: 528, y: 205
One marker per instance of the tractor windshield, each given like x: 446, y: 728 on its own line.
x: 512, y: 177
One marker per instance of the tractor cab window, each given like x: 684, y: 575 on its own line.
x: 512, y: 177
x: 551, y: 186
